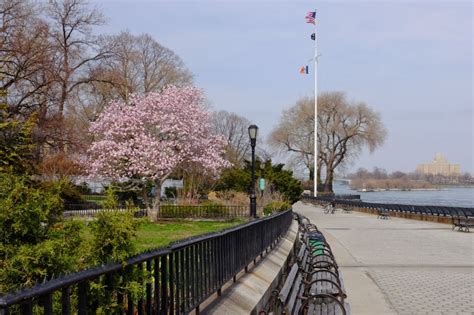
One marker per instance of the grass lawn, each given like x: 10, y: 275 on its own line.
x: 98, y: 199
x: 154, y: 235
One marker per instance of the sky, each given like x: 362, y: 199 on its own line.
x: 411, y: 61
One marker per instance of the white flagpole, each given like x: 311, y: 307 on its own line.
x: 315, y: 172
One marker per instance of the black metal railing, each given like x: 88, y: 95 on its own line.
x: 415, y: 209
x: 203, y: 211
x: 173, y: 280
x: 347, y: 196
x: 173, y: 211
x: 94, y: 212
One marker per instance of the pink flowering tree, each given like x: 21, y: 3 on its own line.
x: 152, y: 135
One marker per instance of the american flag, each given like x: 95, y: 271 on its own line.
x: 311, y: 17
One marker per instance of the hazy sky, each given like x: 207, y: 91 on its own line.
x: 412, y: 61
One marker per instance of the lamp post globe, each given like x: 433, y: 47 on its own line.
x: 253, y: 131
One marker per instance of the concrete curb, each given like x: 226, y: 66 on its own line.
x: 252, y: 290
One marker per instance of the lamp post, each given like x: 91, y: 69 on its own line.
x: 253, y: 130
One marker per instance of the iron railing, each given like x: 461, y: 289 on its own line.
x: 347, y: 196
x: 177, y: 278
x: 173, y: 211
x: 94, y: 212
x: 204, y: 211
x: 416, y: 209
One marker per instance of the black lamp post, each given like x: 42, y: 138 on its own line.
x: 253, y: 130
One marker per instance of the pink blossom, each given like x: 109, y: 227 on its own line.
x: 154, y: 134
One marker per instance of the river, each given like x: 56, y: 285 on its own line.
x: 446, y: 196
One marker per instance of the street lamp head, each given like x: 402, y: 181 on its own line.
x: 253, y: 130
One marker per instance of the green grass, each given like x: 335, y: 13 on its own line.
x: 99, y: 199
x: 154, y: 235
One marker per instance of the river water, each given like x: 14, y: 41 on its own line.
x: 446, y: 196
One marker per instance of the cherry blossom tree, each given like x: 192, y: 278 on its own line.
x: 152, y: 135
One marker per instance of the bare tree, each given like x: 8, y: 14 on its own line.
x: 139, y: 64
x: 25, y: 58
x: 76, y: 50
x: 234, y: 129
x: 295, y: 133
x: 344, y: 129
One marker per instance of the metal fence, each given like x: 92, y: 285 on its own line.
x: 175, y: 211
x: 173, y: 280
x: 416, y: 209
x: 94, y: 212
x: 347, y: 196
x: 204, y: 211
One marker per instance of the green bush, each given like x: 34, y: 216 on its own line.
x: 26, y: 212
x: 113, y: 234
x: 275, y: 206
x: 26, y: 264
x: 277, y: 179
x: 66, y: 190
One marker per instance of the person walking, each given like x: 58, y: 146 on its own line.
x: 333, y: 206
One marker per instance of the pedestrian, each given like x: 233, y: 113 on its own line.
x: 333, y: 206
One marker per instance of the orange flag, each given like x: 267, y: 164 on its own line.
x: 304, y: 70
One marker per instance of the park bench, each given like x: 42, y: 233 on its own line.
x: 463, y: 223
x: 317, y: 291
x: 313, y: 285
x: 347, y: 209
x: 382, y: 214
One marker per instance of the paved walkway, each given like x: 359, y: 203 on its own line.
x: 399, y: 266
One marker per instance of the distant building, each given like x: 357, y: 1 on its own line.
x: 440, y: 166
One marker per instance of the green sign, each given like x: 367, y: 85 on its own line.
x: 262, y: 184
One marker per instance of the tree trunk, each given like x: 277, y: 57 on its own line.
x: 153, y: 212
x: 146, y: 201
x: 328, y: 181
x: 318, y: 178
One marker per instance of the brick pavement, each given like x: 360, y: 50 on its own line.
x: 400, y: 266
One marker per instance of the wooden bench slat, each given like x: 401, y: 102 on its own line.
x: 299, y: 302
x: 285, y: 291
x: 332, y: 308
x: 324, y: 309
x: 301, y: 251
x: 294, y: 293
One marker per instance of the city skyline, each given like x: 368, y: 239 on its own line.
x: 410, y: 61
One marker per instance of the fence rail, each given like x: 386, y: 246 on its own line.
x: 174, y: 211
x: 177, y: 279
x: 348, y: 196
x: 94, y: 212
x: 204, y: 211
x: 415, y: 209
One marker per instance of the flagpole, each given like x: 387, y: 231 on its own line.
x: 315, y: 172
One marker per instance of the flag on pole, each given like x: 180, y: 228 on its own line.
x: 313, y: 36
x: 304, y: 70
x: 311, y: 17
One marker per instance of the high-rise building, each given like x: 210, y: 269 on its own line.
x: 439, y: 166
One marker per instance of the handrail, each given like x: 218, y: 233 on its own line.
x: 184, y: 274
x: 421, y: 209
